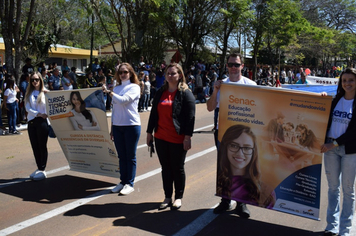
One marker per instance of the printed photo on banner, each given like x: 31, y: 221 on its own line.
x: 269, y: 154
x: 78, y: 118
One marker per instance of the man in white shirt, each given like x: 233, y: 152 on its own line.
x: 234, y: 66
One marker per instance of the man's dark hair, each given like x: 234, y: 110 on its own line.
x: 236, y: 54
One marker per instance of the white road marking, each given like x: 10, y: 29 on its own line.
x: 3, y: 185
x: 60, y: 210
x: 198, y: 224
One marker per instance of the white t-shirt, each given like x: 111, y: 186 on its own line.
x: 33, y: 107
x: 125, y: 104
x: 11, y: 95
x: 243, y: 80
x: 341, y: 118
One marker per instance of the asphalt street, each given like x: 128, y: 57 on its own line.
x: 74, y: 203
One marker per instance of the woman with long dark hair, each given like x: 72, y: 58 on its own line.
x: 340, y: 156
x: 37, y: 123
x: 82, y: 118
x: 238, y: 169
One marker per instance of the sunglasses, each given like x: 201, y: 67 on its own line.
x: 35, y: 80
x: 237, y: 65
x: 123, y: 72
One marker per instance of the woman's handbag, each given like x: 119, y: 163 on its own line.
x: 51, y: 133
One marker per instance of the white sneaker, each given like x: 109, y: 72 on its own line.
x: 127, y: 190
x: 40, y: 175
x: 117, y: 188
x: 33, y: 174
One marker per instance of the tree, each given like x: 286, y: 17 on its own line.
x: 188, y: 23
x: 232, y: 15
x: 16, y: 18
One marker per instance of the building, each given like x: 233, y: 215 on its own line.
x: 107, y: 49
x: 76, y: 57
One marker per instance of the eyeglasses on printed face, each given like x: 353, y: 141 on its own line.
x: 237, y: 65
x: 35, y: 80
x: 233, y: 147
x: 123, y: 72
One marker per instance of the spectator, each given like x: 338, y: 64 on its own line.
x: 54, y: 82
x: 10, y: 103
x: 146, y: 93
x: 44, y: 75
x: 73, y: 77
x: 90, y: 81
x: 117, y: 66
x: 159, y: 79
x: 303, y: 78
x: 66, y: 81
x: 27, y: 68
x: 95, y: 66
x: 65, y: 66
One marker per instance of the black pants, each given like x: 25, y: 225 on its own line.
x: 172, y: 158
x: 38, y: 134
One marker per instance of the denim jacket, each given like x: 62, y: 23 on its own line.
x: 183, y: 112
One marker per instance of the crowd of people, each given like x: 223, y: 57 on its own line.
x: 172, y: 94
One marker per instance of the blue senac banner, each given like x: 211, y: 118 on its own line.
x: 329, y: 89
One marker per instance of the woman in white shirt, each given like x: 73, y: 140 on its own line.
x: 10, y: 103
x: 126, y: 125
x: 82, y: 118
x: 340, y: 156
x: 37, y: 124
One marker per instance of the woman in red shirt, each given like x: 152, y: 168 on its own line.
x: 172, y: 120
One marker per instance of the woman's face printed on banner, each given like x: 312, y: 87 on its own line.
x: 239, y: 153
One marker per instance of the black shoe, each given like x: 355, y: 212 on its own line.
x: 222, y: 207
x: 166, y: 203
x: 241, y: 210
x: 328, y: 233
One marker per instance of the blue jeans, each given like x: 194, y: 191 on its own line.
x: 146, y: 100
x: 126, y: 139
x: 11, y: 116
x: 340, y: 167
x: 1, y: 124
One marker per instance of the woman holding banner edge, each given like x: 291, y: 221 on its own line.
x: 126, y: 125
x: 340, y: 156
x: 37, y: 123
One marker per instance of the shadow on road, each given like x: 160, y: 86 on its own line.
x: 231, y: 224
x: 54, y: 189
x: 145, y: 216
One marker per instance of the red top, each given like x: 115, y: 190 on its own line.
x: 165, y: 129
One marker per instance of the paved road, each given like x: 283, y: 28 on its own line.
x: 73, y: 203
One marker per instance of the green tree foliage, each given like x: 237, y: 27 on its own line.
x: 16, y: 19
x: 188, y: 22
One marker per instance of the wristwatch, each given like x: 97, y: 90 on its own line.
x: 335, y: 143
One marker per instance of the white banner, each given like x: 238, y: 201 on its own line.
x: 322, y: 80
x: 78, y: 118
